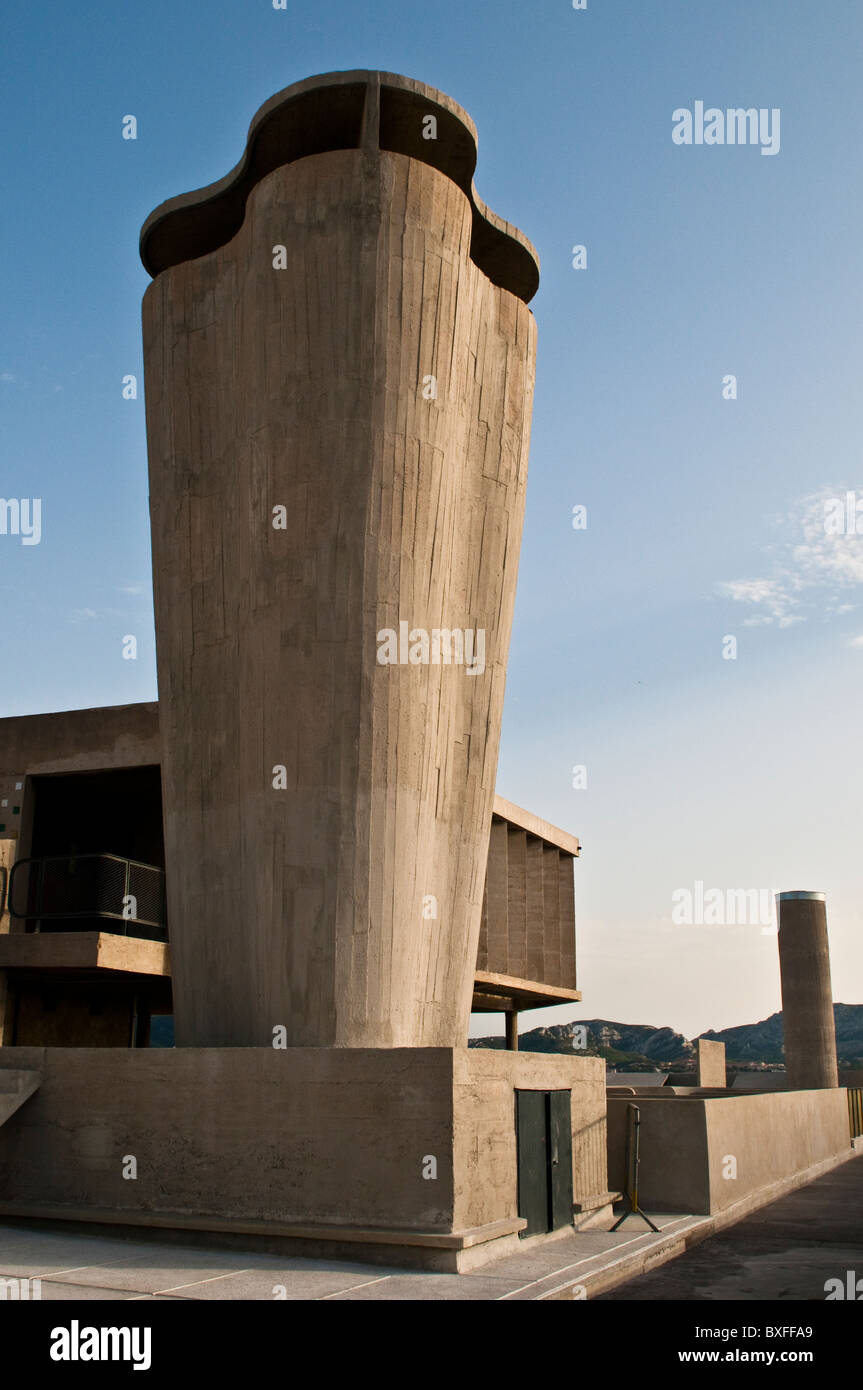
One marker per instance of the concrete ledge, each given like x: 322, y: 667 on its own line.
x: 375, y: 1235
x: 525, y: 993
x: 88, y: 950
x: 535, y: 825
x: 443, y: 1251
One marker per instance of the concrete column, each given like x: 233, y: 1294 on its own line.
x: 710, y: 1063
x: 511, y: 1020
x: 807, y: 999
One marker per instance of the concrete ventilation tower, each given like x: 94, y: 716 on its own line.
x: 807, y: 998
x: 339, y: 365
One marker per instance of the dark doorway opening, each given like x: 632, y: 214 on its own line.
x: 117, y: 812
x: 96, y: 855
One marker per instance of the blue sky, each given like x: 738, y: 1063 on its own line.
x: 705, y: 515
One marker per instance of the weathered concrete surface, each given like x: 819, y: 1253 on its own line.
x: 484, y: 1135
x: 788, y: 1250
x: 302, y: 387
x: 303, y: 1144
x: 709, y: 1062
x: 289, y: 1135
x: 687, y: 1142
x: 79, y: 740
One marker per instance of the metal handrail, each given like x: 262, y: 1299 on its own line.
x: 35, y: 910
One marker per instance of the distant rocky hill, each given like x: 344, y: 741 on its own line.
x: 762, y: 1042
x: 641, y: 1045
x: 638, y: 1043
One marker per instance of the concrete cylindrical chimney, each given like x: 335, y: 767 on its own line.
x: 807, y: 998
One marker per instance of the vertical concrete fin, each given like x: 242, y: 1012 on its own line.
x: 498, y: 916
x: 567, y: 922
x: 551, y: 913
x: 516, y: 865
x: 534, y: 909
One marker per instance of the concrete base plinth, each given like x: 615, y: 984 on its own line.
x: 402, y: 1156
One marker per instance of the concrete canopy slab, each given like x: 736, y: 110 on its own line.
x: 518, y: 994
x: 74, y: 951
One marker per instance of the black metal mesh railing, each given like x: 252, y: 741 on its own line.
x: 81, y: 886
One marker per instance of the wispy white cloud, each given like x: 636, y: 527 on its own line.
x: 131, y: 589
x: 810, y: 571
x: 82, y: 615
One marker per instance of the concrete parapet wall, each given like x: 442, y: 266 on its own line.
x: 674, y: 1160
x: 772, y: 1137
x: 302, y: 1134
x: 686, y: 1144
x: 315, y: 1140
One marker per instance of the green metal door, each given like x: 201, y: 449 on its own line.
x: 560, y: 1157
x: 544, y: 1145
x: 532, y: 1160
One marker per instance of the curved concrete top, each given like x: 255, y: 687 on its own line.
x: 337, y: 111
x: 810, y: 897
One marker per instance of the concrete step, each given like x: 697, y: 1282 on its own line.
x: 16, y: 1086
